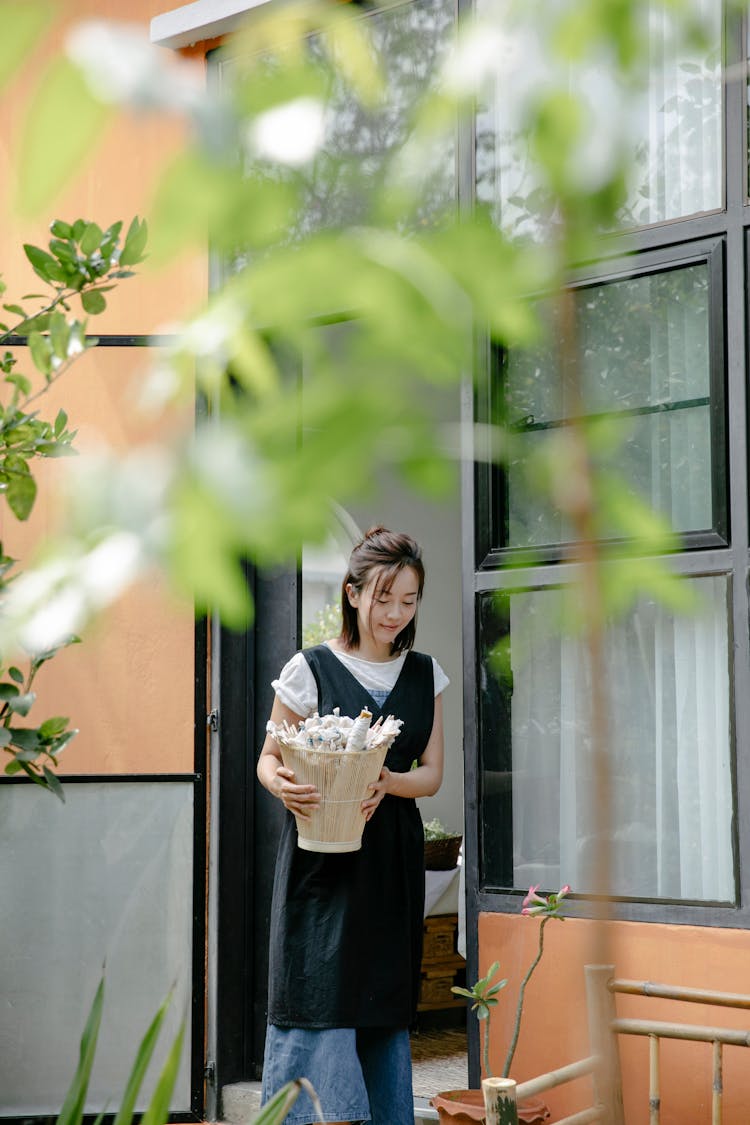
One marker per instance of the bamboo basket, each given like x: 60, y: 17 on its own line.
x: 342, y: 778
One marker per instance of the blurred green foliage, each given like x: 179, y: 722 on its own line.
x: 354, y: 280
x: 81, y: 264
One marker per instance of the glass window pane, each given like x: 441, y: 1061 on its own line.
x: 676, y: 126
x: 323, y: 570
x: 669, y: 742
x: 105, y: 879
x: 644, y: 348
x: 361, y: 142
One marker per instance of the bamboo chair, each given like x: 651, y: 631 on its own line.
x: 603, y: 1064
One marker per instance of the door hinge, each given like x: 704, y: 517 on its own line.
x: 212, y: 719
x: 209, y: 1072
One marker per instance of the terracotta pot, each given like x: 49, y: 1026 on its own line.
x: 462, y: 1107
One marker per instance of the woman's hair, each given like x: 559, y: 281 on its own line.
x: 388, y: 553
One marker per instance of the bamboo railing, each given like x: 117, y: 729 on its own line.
x: 603, y: 1064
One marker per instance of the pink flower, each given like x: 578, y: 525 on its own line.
x: 533, y: 898
x: 535, y: 904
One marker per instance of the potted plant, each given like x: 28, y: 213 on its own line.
x: 441, y: 847
x: 456, y: 1107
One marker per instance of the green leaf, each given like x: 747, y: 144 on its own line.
x: 20, y: 381
x: 158, y: 1109
x: 135, y: 243
x: 60, y: 229
x: 28, y: 755
x: 13, y: 767
x: 22, y: 24
x: 41, y: 352
x: 61, y: 422
x: 9, y: 691
x: 59, y: 744
x: 93, y: 302
x: 51, y: 728
x: 22, y: 704
x: 90, y: 239
x: 21, y: 494
x: 140, y: 1065
x: 59, y: 334
x: 73, y: 1106
x: 63, y: 123
x: 5, y: 737
x: 275, y: 1110
x: 15, y: 309
x: 16, y: 674
x: 25, y: 738
x: 53, y: 783
x: 45, y: 266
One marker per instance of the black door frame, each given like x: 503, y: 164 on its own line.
x: 250, y: 822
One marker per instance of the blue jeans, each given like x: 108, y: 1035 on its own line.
x: 359, y: 1074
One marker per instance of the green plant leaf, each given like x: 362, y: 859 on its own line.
x: 63, y: 123
x: 16, y: 674
x: 135, y: 243
x: 72, y: 1110
x: 60, y: 229
x: 21, y: 494
x: 52, y: 728
x: 45, y: 266
x: 140, y: 1065
x: 275, y: 1110
x: 91, y: 239
x: 25, y: 738
x: 22, y: 23
x: 22, y: 704
x: 53, y: 783
x: 8, y: 691
x: 158, y: 1109
x: 41, y: 352
x: 93, y: 302
x: 5, y: 737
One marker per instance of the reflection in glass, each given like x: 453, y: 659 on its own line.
x: 643, y: 344
x: 676, y: 127
x: 669, y: 749
x: 323, y: 570
x: 362, y: 143
x: 104, y: 880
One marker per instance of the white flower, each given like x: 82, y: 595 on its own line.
x: 290, y: 133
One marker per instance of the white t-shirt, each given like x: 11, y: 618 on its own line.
x: 296, y: 687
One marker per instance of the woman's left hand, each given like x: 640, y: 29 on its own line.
x: 379, y: 789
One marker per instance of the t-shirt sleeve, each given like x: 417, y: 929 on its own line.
x: 439, y: 676
x: 296, y: 687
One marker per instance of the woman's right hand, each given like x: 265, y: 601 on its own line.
x: 299, y: 799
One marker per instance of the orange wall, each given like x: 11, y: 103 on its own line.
x: 129, y: 687
x: 554, y: 1029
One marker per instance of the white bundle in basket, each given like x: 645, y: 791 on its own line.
x: 341, y: 757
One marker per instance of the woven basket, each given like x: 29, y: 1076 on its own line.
x: 342, y: 778
x: 442, y: 854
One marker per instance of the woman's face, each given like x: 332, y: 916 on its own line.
x: 382, y: 614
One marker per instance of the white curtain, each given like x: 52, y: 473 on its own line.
x: 674, y: 130
x: 670, y: 823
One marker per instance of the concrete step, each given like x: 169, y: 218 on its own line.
x: 241, y: 1102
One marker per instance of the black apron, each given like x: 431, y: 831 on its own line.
x: 346, y: 928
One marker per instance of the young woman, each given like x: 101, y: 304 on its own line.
x: 346, y: 928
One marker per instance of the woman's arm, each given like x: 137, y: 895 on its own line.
x: 277, y: 779
x: 423, y: 781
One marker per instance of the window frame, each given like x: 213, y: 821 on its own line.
x: 490, y: 486
x: 486, y: 570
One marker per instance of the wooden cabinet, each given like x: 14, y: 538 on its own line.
x: 442, y: 964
